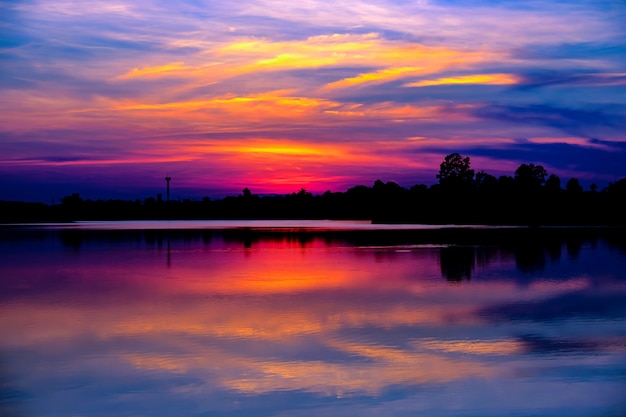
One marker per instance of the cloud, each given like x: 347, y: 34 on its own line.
x: 452, y: 23
x: 587, y: 159
x: 580, y: 52
x: 569, y: 120
x: 568, y: 79
x: 481, y: 79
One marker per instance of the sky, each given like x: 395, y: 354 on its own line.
x: 106, y: 98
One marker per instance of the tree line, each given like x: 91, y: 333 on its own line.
x: 530, y: 196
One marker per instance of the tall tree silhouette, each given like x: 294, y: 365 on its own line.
x: 573, y: 186
x: 530, y: 177
x: 455, y: 172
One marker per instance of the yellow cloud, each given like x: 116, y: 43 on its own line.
x: 429, y: 60
x: 490, y: 79
x: 378, y: 76
x: 248, y: 55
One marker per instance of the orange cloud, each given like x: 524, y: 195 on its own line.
x: 233, y: 109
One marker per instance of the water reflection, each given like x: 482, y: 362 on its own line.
x: 458, y: 262
x: 461, y: 251
x: 249, y: 323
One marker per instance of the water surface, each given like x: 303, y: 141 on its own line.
x: 294, y: 323
x: 280, y: 225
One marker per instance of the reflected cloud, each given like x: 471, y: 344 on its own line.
x: 384, y: 367
x: 474, y: 347
x: 573, y: 304
x: 537, y: 344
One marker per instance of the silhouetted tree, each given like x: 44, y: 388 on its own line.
x: 553, y: 183
x: 573, y: 186
x: 419, y: 189
x: 531, y: 176
x: 455, y: 172
x: 73, y: 200
x: 506, y: 183
x: 73, y: 205
x: 486, y: 182
x: 461, y: 197
x: 303, y: 193
x: 617, y: 188
x: 388, y: 188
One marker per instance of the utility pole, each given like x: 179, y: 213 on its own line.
x: 167, y: 180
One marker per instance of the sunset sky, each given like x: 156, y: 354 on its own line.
x: 106, y: 98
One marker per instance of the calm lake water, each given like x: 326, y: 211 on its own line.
x: 310, y: 320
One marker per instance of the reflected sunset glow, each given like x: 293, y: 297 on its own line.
x: 226, y: 319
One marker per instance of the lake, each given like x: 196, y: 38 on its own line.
x: 310, y: 319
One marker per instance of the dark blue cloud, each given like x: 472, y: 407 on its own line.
x: 98, y: 45
x: 607, y: 161
x: 557, y: 78
x: 570, y: 51
x: 580, y: 122
x: 618, y: 146
x: 537, y: 344
x: 26, y: 74
x: 59, y: 158
x: 563, y: 156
